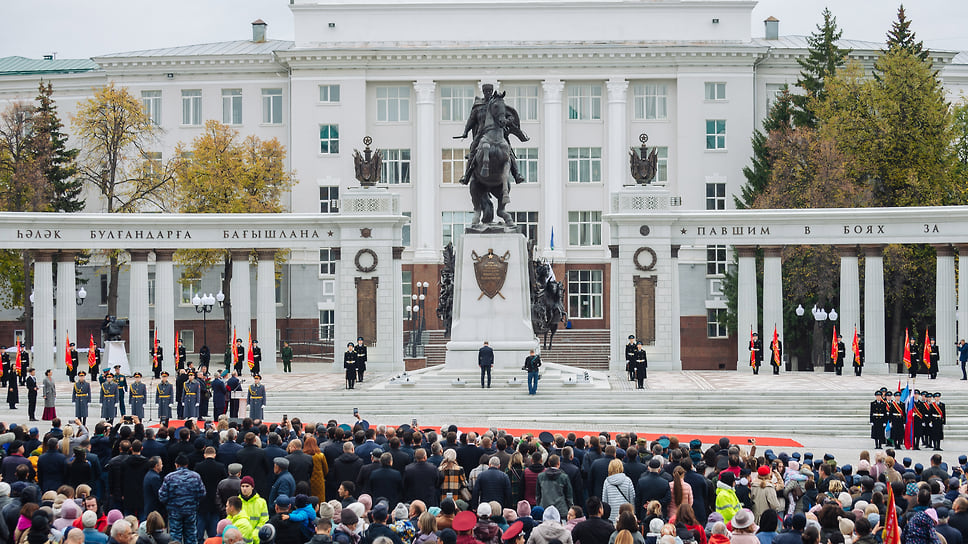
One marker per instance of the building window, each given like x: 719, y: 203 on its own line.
x: 192, y: 107
x: 529, y: 224
x: 585, y: 102
x: 272, y: 106
x: 453, y: 224
x: 453, y: 162
x: 715, y: 318
x: 715, y: 91
x: 329, y: 93
x: 584, y: 164
x: 405, y: 231
x: 153, y: 168
x: 715, y: 134
x: 585, y: 288
x: 104, y: 290
x: 650, y: 101
x: 396, y: 166
x: 715, y: 196
x: 393, y: 104
x: 189, y: 287
x: 329, y: 139
x: 188, y: 339
x: 278, y: 290
x: 585, y: 228
x: 662, y: 166
x: 524, y: 99
x: 327, y: 324
x: 407, y: 284
x: 329, y: 199
x: 715, y: 260
x: 456, y: 102
x: 151, y: 289
x: 152, y: 103
x: 527, y: 158
x: 327, y: 261
x: 232, y: 106
x: 773, y: 90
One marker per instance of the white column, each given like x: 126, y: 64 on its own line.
x: 553, y: 219
x: 849, y: 301
x: 266, y: 309
x: 772, y: 298
x: 618, y: 327
x: 425, y: 213
x: 66, y: 308
x: 945, y: 305
x: 43, y: 348
x: 138, y: 312
x: 676, y: 321
x: 617, y: 136
x: 240, y: 292
x: 746, y: 304
x: 165, y: 306
x: 874, y: 347
x: 963, y: 292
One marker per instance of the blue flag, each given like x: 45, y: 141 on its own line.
x: 552, y: 238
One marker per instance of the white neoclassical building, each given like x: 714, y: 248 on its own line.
x: 588, y: 77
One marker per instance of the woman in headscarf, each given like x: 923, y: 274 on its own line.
x: 550, y: 529
x: 920, y: 530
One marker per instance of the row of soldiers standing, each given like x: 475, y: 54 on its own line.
x: 111, y: 393
x: 636, y: 362
x: 888, y: 418
x: 776, y: 355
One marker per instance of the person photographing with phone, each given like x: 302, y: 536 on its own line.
x: 532, y: 363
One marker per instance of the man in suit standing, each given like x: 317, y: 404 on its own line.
x: 32, y: 393
x: 485, y: 360
x: 233, y: 385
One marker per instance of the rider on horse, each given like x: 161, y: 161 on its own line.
x: 475, y: 124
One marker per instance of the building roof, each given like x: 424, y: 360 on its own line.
x: 23, y: 65
x: 960, y: 58
x: 795, y: 41
x: 237, y: 47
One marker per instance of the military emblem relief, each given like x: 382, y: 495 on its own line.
x: 368, y: 165
x: 490, y: 270
x: 643, y: 164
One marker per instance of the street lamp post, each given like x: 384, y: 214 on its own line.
x: 81, y: 295
x: 204, y: 305
x: 418, y: 315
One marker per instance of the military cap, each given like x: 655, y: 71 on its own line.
x: 888, y: 394
x: 165, y: 373
x: 545, y: 437
x: 795, y: 455
x: 878, y: 393
x: 82, y: 373
x: 72, y: 344
x: 349, y: 344
x: 639, y: 343
x: 513, y: 530
x: 255, y: 341
x: 359, y: 338
x: 257, y: 376
x: 631, y: 337
x: 136, y: 375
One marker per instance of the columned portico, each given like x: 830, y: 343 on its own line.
x: 43, y: 303
x: 676, y: 330
x: 426, y: 211
x: 266, y: 308
x: 553, y: 220
x: 241, y: 291
x: 165, y: 304
x: 746, y: 304
x: 138, y: 312
x: 875, y: 359
x: 945, y: 304
x: 617, y: 170
x: 962, y: 291
x: 849, y: 300
x: 66, y: 308
x: 772, y: 296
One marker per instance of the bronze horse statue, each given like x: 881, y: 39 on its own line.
x: 491, y: 175
x: 547, y: 310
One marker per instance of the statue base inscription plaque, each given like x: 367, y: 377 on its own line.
x: 492, y: 301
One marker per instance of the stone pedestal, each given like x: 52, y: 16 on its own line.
x: 504, y: 321
x: 114, y: 354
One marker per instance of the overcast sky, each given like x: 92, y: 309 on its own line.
x: 86, y: 28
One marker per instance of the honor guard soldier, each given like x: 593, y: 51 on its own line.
x: 859, y: 357
x: 25, y: 358
x: 157, y: 360
x: 935, y: 359
x: 776, y: 358
x: 109, y: 399
x: 182, y: 355
x: 939, y: 418
x: 5, y: 361
x: 286, y: 354
x: 919, y: 420
x: 72, y: 372
x: 756, y: 353
x: 256, y: 357
x: 349, y: 365
x: 256, y: 397
x: 81, y: 397
x: 360, y: 350
x: 240, y: 355
x: 897, y: 417
x: 841, y: 354
x: 139, y: 395
x: 13, y: 391
x: 641, y: 365
x: 915, y: 359
x: 878, y: 418
x: 122, y: 381
x: 163, y: 394
x: 22, y: 371
x: 190, y: 394
x: 630, y: 349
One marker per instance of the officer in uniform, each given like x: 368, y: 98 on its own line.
x: 139, y: 395
x: 349, y: 365
x: 939, y: 418
x: 756, y: 353
x: 775, y: 360
x: 72, y: 372
x: 630, y: 350
x: 109, y: 399
x: 97, y: 361
x: 897, y: 417
x: 878, y: 418
x: 641, y: 365
x: 22, y: 371
x: 256, y: 357
x: 935, y: 359
x: 286, y: 354
x: 256, y: 397
x: 919, y: 420
x: 5, y: 361
x: 182, y: 355
x: 360, y: 349
x: 81, y: 397
x: 915, y: 359
x: 158, y: 357
x: 190, y: 393
x: 163, y: 394
x: 122, y: 382
x: 841, y: 355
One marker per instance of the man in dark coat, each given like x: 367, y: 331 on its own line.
x: 50, y: 466
x: 492, y: 484
x: 485, y: 360
x: 386, y: 481
x: 232, y: 385
x: 366, y: 471
x: 598, y: 471
x: 152, y: 483
x: 31, y: 383
x: 421, y: 480
x: 133, y: 471
x: 595, y: 529
x: 346, y: 467
x: 700, y: 487
x: 469, y: 455
x: 570, y: 467
x: 254, y: 463
x: 212, y: 472
x: 300, y: 463
x: 228, y: 450
x: 218, y: 394
x: 652, y: 487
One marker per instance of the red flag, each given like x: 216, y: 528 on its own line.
x: 776, y: 347
x: 67, y: 354
x: 855, y: 346
x: 20, y: 351
x: 833, y: 346
x: 752, y: 353
x: 154, y: 351
x: 892, y: 532
x: 92, y: 354
x: 250, y: 359
x: 235, y: 353
x: 907, y: 349
x: 926, y: 357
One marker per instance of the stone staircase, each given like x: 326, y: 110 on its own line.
x: 583, y: 348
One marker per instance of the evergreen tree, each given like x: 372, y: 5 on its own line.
x: 58, y: 161
x: 824, y: 57
x: 758, y: 174
x: 901, y: 36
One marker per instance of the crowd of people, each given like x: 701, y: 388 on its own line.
x: 296, y: 483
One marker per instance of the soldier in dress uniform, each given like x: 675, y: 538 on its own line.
x: 919, y: 420
x: 190, y: 393
x: 756, y: 353
x: 286, y: 354
x: 935, y: 358
x: 5, y: 361
x: 97, y: 361
x: 630, y: 350
x: 878, y: 418
x: 182, y: 355
x: 163, y: 394
x: 256, y: 397
x: 897, y: 417
x: 204, y: 390
x: 641, y: 365
x: 81, y: 397
x: 775, y: 361
x: 22, y: 372
x: 139, y: 395
x: 349, y: 365
x: 158, y: 359
x: 360, y: 349
x: 109, y: 398
x: 841, y: 354
x: 240, y: 354
x: 122, y: 381
x: 13, y: 390
x: 915, y: 359
x: 859, y: 357
x: 180, y: 392
x: 256, y: 357
x: 939, y: 418
x: 72, y: 372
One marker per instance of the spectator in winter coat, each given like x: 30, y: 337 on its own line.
x: 285, y: 484
x: 492, y: 484
x: 551, y: 527
x: 180, y: 493
x: 617, y: 489
x: 554, y: 487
